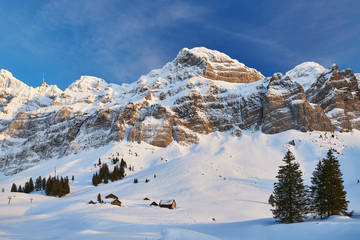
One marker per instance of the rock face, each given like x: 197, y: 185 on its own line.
x: 286, y: 107
x: 201, y: 91
x: 217, y: 66
x: 337, y: 93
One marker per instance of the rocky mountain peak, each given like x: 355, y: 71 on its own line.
x: 215, y: 65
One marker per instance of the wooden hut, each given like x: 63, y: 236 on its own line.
x: 112, y: 196
x: 116, y: 202
x: 92, y: 202
x: 146, y: 199
x: 169, y: 203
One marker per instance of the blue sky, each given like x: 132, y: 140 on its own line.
x: 121, y: 40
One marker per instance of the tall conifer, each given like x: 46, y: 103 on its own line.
x: 327, y: 190
x: 289, y: 196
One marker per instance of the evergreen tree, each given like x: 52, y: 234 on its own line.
x: 327, y: 190
x: 20, y: 189
x: 13, y: 188
x: 67, y: 186
x: 43, y: 184
x: 96, y: 179
x: 31, y: 184
x: 38, y: 184
x: 123, y: 165
x: 290, y: 198
x: 99, y: 198
x: 26, y: 188
x: 48, y: 186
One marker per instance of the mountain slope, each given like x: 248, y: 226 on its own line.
x: 200, y: 92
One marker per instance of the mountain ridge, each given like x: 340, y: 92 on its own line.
x: 201, y: 91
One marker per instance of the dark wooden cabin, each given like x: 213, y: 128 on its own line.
x: 111, y: 196
x: 169, y: 203
x: 116, y: 202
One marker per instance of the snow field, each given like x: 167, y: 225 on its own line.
x: 223, y: 178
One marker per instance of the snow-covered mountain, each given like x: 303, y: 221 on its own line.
x: 201, y: 91
x: 205, y: 130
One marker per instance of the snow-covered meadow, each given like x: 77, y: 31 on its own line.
x: 221, y: 186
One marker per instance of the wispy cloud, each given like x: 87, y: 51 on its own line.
x: 117, y: 35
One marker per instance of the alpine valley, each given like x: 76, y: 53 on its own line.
x: 205, y: 130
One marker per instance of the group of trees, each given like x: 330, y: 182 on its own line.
x: 28, y: 187
x: 53, y: 186
x: 56, y: 186
x: 105, y: 175
x: 292, y: 200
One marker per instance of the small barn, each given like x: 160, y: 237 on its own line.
x: 116, y: 202
x: 169, y: 203
x: 92, y: 202
x: 112, y: 196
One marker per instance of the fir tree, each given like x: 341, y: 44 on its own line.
x: 38, y: 184
x: 48, y: 186
x: 27, y: 188
x: 31, y: 184
x: 13, y: 188
x: 20, y: 189
x: 327, y: 190
x: 106, y: 179
x: 290, y: 198
x: 43, y: 184
x: 67, y: 186
x: 99, y: 198
x: 123, y: 166
x: 96, y: 179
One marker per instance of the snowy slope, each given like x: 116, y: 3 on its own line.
x: 223, y: 177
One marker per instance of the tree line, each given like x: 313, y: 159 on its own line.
x: 292, y: 200
x: 104, y: 175
x: 53, y: 186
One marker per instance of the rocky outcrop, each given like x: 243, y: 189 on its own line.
x: 286, y: 107
x: 337, y: 93
x: 217, y: 66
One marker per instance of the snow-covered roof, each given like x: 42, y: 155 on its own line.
x: 166, y: 201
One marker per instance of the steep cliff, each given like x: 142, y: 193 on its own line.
x: 199, y: 92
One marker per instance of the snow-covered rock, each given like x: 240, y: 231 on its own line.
x: 306, y: 73
x: 200, y: 92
